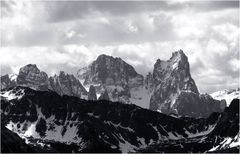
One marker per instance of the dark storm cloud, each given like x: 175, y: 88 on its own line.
x: 213, y: 5
x: 64, y: 11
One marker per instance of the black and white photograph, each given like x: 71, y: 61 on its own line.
x: 118, y: 76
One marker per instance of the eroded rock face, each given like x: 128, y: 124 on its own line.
x: 104, y: 96
x: 113, y: 75
x: 92, y: 94
x: 31, y: 76
x: 176, y: 92
x: 6, y: 82
x: 148, y: 81
x: 108, y: 70
x: 65, y: 84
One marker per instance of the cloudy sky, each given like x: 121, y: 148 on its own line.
x: 58, y: 35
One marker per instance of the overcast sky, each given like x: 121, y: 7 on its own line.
x: 59, y: 35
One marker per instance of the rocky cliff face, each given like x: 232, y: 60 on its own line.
x: 104, y: 96
x: 176, y: 92
x: 92, y: 94
x: 109, y: 71
x: 65, y: 84
x: 169, y: 89
x: 7, y: 82
x: 31, y: 76
x: 113, y: 75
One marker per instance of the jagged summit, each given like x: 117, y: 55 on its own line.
x: 107, y: 70
x: 30, y: 76
x: 176, y: 92
x: 111, y: 74
x: 176, y: 70
x: 169, y: 88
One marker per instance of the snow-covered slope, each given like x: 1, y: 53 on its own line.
x: 52, y: 121
x: 228, y: 95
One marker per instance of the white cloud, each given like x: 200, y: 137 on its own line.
x: 70, y: 33
x: 139, y: 36
x: 235, y: 64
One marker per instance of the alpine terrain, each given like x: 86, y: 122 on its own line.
x: 169, y: 89
x: 49, y: 122
x: 109, y: 107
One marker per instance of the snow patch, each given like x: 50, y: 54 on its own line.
x: 11, y: 94
x: 227, y: 94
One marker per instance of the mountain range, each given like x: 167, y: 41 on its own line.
x: 109, y: 107
x: 169, y: 88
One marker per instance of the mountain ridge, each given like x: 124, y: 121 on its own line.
x: 169, y: 89
x: 51, y: 120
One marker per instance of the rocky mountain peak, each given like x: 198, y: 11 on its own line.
x: 92, y: 93
x: 30, y: 68
x: 31, y: 76
x: 62, y: 74
x: 7, y: 82
x: 175, y: 69
x: 107, y: 70
x: 113, y: 75
x: 176, y: 92
x: 67, y: 84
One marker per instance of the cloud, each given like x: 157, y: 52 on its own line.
x: 61, y: 35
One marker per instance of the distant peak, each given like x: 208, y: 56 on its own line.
x: 62, y: 73
x: 158, y: 60
x: 178, y: 53
x: 30, y: 67
x: 104, y: 56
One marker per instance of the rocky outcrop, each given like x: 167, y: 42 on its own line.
x: 169, y: 89
x: 65, y: 84
x: 113, y: 75
x: 31, y: 76
x: 92, y: 94
x: 176, y: 92
x: 104, y: 96
x: 6, y: 82
x: 148, y: 81
x: 109, y: 71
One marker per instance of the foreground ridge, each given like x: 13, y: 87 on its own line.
x: 50, y: 121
